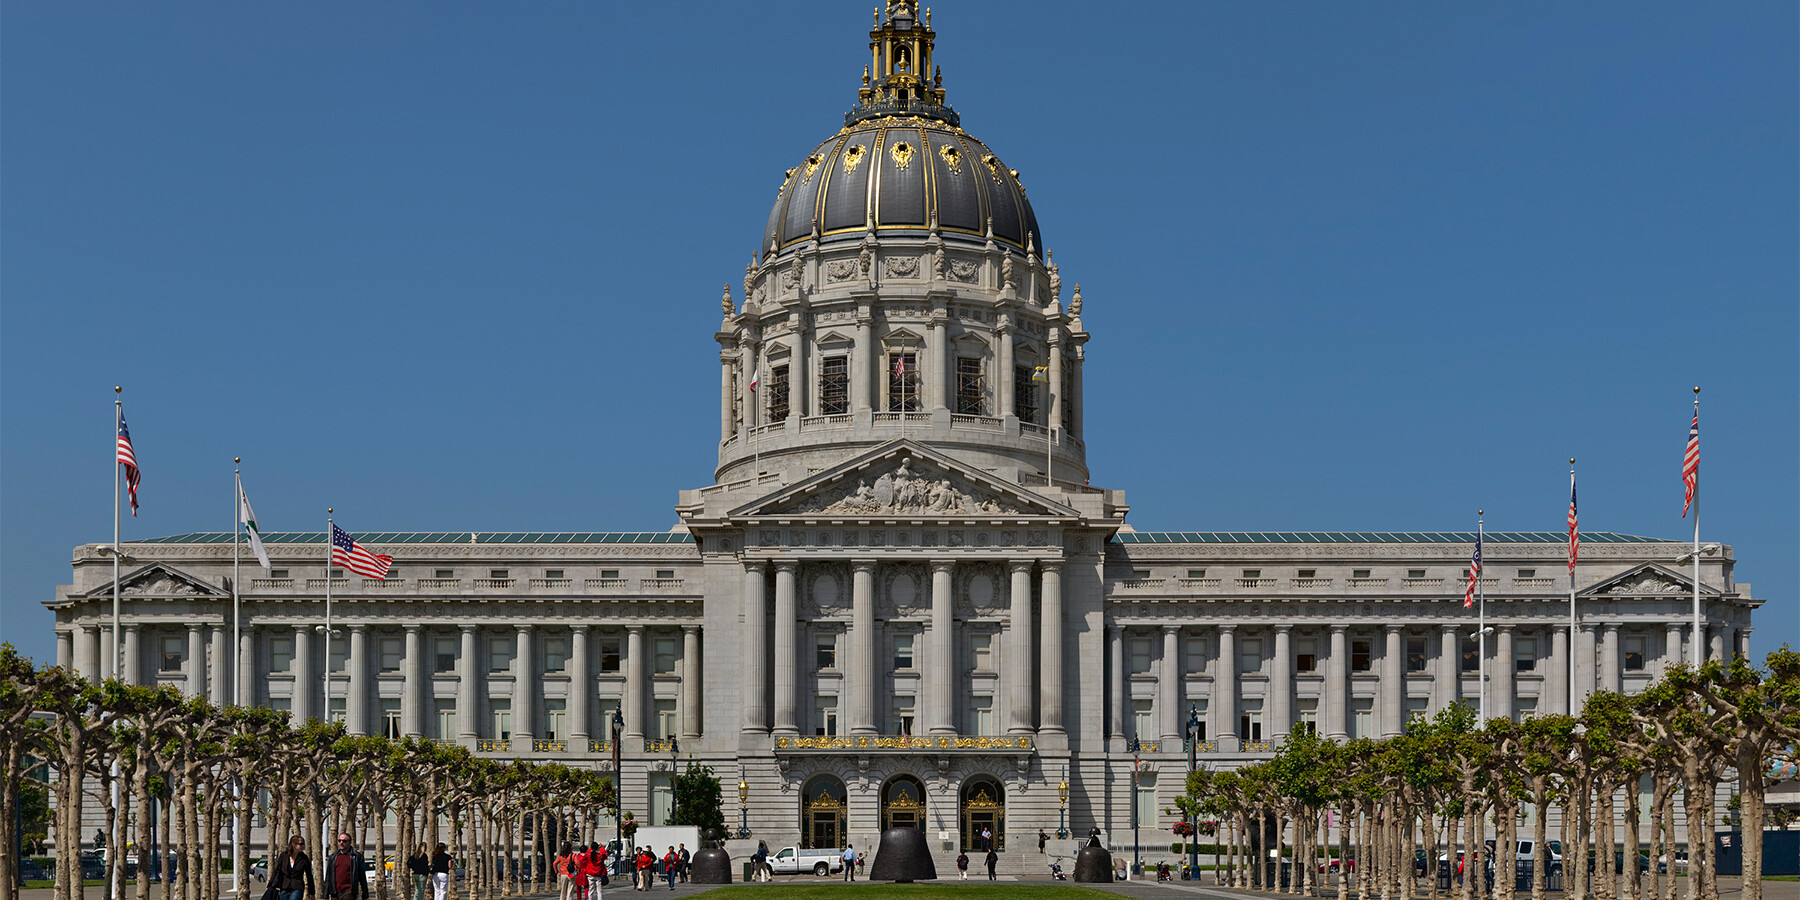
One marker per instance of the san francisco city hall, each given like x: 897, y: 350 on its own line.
x: 883, y: 611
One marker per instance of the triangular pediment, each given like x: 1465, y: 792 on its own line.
x: 1648, y: 580
x: 903, y: 478
x: 159, y: 580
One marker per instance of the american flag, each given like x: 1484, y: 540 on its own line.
x: 1474, y: 574
x: 1574, y: 529
x: 899, y: 365
x: 351, y: 555
x: 1690, y: 466
x: 128, y: 459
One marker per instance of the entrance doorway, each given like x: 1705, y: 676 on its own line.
x: 903, y: 803
x: 822, y: 813
x: 983, y: 809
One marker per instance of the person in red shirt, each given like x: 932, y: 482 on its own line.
x: 593, y: 870
x: 646, y: 868
x: 671, y: 864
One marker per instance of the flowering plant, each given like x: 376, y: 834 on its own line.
x: 1183, y: 828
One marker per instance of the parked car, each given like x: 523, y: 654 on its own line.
x: 1527, y: 856
x: 795, y: 860
x: 259, y: 870
x: 1336, y: 865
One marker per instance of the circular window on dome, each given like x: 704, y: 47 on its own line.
x: 952, y: 158
x: 812, y: 165
x: 852, y: 158
x: 902, y: 154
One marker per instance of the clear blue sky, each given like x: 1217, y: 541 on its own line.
x: 457, y: 266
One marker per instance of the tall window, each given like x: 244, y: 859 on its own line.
x: 981, y: 651
x: 1250, y: 721
x: 608, y: 706
x: 903, y: 651
x: 903, y: 382
x: 340, y: 654
x: 444, y: 655
x: 1144, y: 808
x: 1415, y: 654
x: 1634, y: 654
x: 1471, y: 654
x: 1309, y: 714
x: 1415, y: 710
x: 1141, y: 725
x: 665, y: 719
x: 174, y: 653
x: 1524, y: 708
x: 1306, y: 655
x: 390, y: 718
x: 1138, y: 662
x: 778, y: 393
x: 825, y: 716
x: 281, y: 653
x: 1250, y: 655
x: 1359, y: 656
x: 335, y: 710
x: 444, y: 715
x: 1362, y: 718
x: 556, y: 719
x: 1196, y: 655
x: 500, y: 653
x: 500, y: 719
x: 662, y: 799
x: 1525, y: 655
x: 825, y: 652
x: 556, y: 653
x: 1025, y: 404
x: 903, y: 714
x: 834, y: 386
x: 971, y: 394
x: 665, y: 655
x: 609, y: 654
x: 981, y: 715
x: 392, y: 650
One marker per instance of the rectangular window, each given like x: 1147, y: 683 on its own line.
x: 662, y: 799
x: 903, y: 382
x: 499, y: 574
x: 444, y: 653
x: 392, y: 652
x: 778, y: 393
x: 1025, y: 404
x: 335, y: 710
x: 340, y: 653
x: 281, y: 653
x: 1138, y: 660
x: 971, y: 394
x: 825, y: 719
x: 500, y: 653
x: 1527, y: 573
x: 609, y: 654
x: 556, y: 720
x: 174, y: 653
x: 1196, y: 573
x: 981, y: 716
x: 825, y: 653
x: 1143, y: 811
x: 609, y: 707
x: 1196, y: 655
x: 444, y: 718
x: 1471, y: 654
x: 1142, y: 727
x: 444, y: 573
x: 1415, y: 654
x: 1306, y: 655
x: 1250, y: 656
x: 1362, y: 718
x: 1359, y: 656
x: 281, y: 704
x: 665, y: 719
x: 1252, y: 574
x: 1250, y: 721
x: 609, y: 574
x: 1524, y: 708
x: 1416, y: 709
x: 1634, y: 654
x: 553, y: 574
x: 556, y: 653
x: 903, y: 714
x: 1307, y: 573
x: 834, y: 386
x: 665, y: 574
x: 1308, y: 709
x: 903, y: 651
x: 1359, y: 573
x: 500, y: 719
x: 1525, y: 655
x: 278, y: 573
x: 390, y: 718
x: 981, y: 650
x: 1415, y: 573
x: 665, y: 656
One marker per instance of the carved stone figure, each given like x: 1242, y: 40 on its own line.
x: 1006, y: 270
x: 939, y: 262
x: 751, y: 273
x: 840, y: 269
x: 864, y: 261
x: 1075, y: 302
x: 901, y: 266
x: 904, y: 491
x: 791, y: 278
x: 1647, y: 583
x: 1055, y: 279
x: 964, y: 270
x: 725, y: 304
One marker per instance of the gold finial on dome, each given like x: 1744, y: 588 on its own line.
x: 901, y: 79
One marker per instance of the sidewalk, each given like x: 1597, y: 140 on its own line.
x: 1729, y: 889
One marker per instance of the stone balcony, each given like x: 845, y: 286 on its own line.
x: 515, y: 586
x: 900, y: 743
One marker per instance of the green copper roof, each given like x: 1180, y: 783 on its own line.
x: 441, y: 537
x: 1376, y: 537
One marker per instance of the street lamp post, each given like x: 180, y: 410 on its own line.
x: 1193, y: 742
x: 674, y: 748
x: 1137, y: 763
x: 1062, y: 814
x: 618, y: 735
x: 743, y: 804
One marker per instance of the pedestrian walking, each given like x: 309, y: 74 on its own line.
x: 441, y: 867
x: 344, y: 872
x: 592, y: 869
x: 1043, y: 839
x: 962, y: 866
x: 563, y: 866
x: 646, y: 868
x: 291, y: 873
x: 760, y: 871
x: 419, y: 864
x: 849, y: 862
x: 687, y: 859
x: 671, y: 863
x: 993, y: 860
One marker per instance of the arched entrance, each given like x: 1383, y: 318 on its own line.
x: 822, y: 813
x: 983, y: 806
x: 903, y: 803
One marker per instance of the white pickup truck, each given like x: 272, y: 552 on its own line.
x: 793, y: 861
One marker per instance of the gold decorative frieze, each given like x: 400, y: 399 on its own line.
x: 903, y: 742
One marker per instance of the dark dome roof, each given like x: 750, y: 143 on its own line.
x: 900, y: 174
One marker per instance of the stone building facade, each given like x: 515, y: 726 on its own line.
x: 901, y: 600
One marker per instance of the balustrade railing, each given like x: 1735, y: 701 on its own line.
x: 1141, y: 584
x: 1312, y: 582
x: 599, y: 746
x: 1202, y: 747
x: 1256, y: 582
x: 659, y: 584
x: 903, y: 742
x: 271, y: 584
x: 658, y: 745
x: 1259, y: 746
x: 606, y: 584
x: 548, y: 745
x: 1422, y: 582
x: 384, y: 584
x: 552, y: 582
x: 439, y: 584
x: 1366, y: 582
x: 1533, y: 583
x: 1200, y: 582
x: 493, y: 745
x: 318, y: 584
x: 495, y: 583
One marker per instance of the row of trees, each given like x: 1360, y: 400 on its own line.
x: 1451, y: 782
x: 203, y: 770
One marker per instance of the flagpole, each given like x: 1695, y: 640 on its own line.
x: 237, y: 617
x: 1481, y: 599
x: 1574, y: 651
x: 326, y: 718
x: 1699, y: 652
x: 117, y: 644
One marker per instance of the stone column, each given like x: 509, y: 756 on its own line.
x: 87, y: 651
x: 1225, y: 692
x: 1075, y: 394
x: 937, y: 351
x: 756, y: 649
x: 65, y: 649
x: 862, y: 640
x: 942, y: 685
x: 1556, y: 679
x: 245, y: 692
x: 1743, y: 642
x: 1584, y: 667
x: 726, y: 402
x: 197, y: 659
x: 305, y: 678
x: 1449, y: 674
x: 581, y: 690
x: 356, y: 694
x: 1019, y: 719
x: 468, y: 687
x: 747, y: 359
x: 1672, y: 655
x: 1715, y: 641
x: 1393, y: 683
x: 861, y: 357
x: 1115, y: 715
x: 132, y: 669
x: 524, y: 694
x: 1168, y: 686
x: 1609, y: 657
x: 785, y: 652
x: 110, y: 651
x: 690, y: 682
x: 1003, y: 331
x: 635, y: 701
x: 1281, y: 686
x: 1500, y: 696
x: 799, y: 383
x: 1053, y: 398
x: 412, y: 683
x: 1050, y: 667
x: 218, y: 657
x: 1337, y: 684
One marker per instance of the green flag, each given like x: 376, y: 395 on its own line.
x: 247, y: 516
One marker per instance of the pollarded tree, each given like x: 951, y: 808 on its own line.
x: 1764, y: 710
x: 1699, y: 736
x: 1544, y: 743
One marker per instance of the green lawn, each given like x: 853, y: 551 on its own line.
x: 959, y: 890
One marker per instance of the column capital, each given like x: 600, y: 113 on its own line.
x: 1450, y: 629
x: 1609, y: 626
x: 579, y: 628
x: 1339, y: 629
x: 789, y: 566
x: 468, y: 629
x: 1506, y: 628
x: 131, y: 627
x: 1227, y: 629
x: 1021, y: 565
x: 862, y: 565
x: 754, y: 565
x: 685, y: 629
x: 1051, y: 565
x: 523, y: 628
x: 943, y: 565
x: 1115, y: 629
x: 194, y: 627
x: 1171, y: 629
x: 634, y: 629
x: 1283, y: 629
x: 1393, y: 628
x: 409, y: 627
x: 359, y: 628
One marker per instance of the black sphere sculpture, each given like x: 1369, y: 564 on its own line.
x: 1093, y: 864
x: 903, y: 857
x: 711, y: 864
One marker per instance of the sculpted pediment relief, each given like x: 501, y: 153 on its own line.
x: 1648, y: 583
x: 158, y: 580
x: 1647, y: 580
x: 904, y: 478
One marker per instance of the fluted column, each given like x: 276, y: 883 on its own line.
x: 862, y: 356
x: 218, y: 660
x: 1556, y: 680
x: 1715, y: 641
x: 936, y: 367
x: 635, y: 677
x: 799, y: 383
x: 862, y: 639
x: 1584, y: 667
x: 1075, y: 391
x: 785, y: 653
x: 244, y: 692
x: 581, y: 689
x: 756, y: 649
x: 1003, y: 379
x: 356, y: 696
x: 1019, y: 719
x: 132, y: 670
x: 1281, y: 686
x: 1449, y: 674
x: 65, y: 648
x: 944, y: 666
x: 1168, y: 685
x: 1500, y: 697
x: 747, y: 359
x: 110, y: 651
x: 726, y: 401
x: 1742, y: 647
x: 1609, y: 657
x: 1672, y: 655
x: 1115, y: 714
x: 468, y: 686
x: 1225, y: 691
x: 1393, y: 683
x: 1337, y: 701
x: 690, y: 682
x: 1050, y: 668
x: 87, y: 651
x: 1053, y: 388
x: 524, y: 686
x: 412, y: 683
x: 305, y: 677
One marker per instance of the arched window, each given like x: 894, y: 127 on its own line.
x: 983, y: 809
x: 822, y: 806
x: 902, y: 803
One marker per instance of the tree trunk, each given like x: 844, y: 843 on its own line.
x: 1634, y: 884
x: 1751, y: 765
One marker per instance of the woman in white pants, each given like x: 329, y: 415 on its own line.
x: 441, y: 867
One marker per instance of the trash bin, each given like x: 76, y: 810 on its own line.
x: 748, y: 866
x: 1443, y: 876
